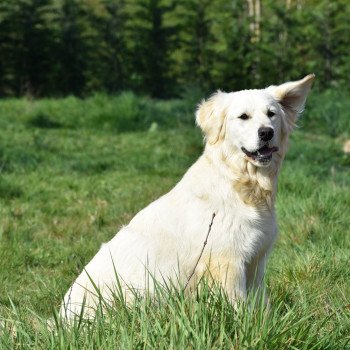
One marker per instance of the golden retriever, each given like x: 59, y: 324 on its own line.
x: 246, y: 134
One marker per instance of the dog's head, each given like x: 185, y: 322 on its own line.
x: 253, y: 123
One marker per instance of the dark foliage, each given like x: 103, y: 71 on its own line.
x: 163, y: 47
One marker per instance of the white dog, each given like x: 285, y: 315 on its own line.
x: 246, y: 135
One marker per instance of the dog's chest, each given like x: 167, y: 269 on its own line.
x: 243, y: 230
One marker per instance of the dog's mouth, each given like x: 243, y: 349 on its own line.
x: 262, y: 155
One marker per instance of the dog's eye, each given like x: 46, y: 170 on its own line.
x: 243, y: 116
x: 270, y: 114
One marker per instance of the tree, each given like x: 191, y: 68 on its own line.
x: 28, y: 44
x: 72, y: 51
x: 148, y: 46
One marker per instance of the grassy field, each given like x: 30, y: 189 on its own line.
x: 73, y: 171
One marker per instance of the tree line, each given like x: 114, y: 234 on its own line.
x: 161, y: 47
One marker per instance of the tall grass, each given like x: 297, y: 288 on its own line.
x: 175, y: 320
x: 326, y: 112
x: 124, y: 112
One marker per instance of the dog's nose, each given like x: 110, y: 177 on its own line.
x: 265, y: 134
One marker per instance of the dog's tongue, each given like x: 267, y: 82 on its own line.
x: 266, y: 151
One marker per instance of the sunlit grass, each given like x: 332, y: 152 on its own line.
x: 72, y: 172
x: 175, y: 320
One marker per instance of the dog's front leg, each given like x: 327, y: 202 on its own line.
x: 255, y: 276
x: 232, y: 278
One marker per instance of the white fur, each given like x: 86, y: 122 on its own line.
x: 167, y: 236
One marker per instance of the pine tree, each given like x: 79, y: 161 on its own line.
x: 116, y: 55
x: 148, y: 46
x: 232, y: 49
x: 28, y: 44
x: 73, y: 47
x: 190, y: 25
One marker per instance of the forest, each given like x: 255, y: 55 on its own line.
x: 163, y: 48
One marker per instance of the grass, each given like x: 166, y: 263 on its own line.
x: 73, y: 171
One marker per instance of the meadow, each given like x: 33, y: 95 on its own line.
x: 73, y: 171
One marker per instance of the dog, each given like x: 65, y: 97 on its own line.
x: 235, y: 180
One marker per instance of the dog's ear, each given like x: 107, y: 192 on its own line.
x: 292, y: 95
x: 210, y: 116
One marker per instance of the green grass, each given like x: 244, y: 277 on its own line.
x: 73, y: 171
